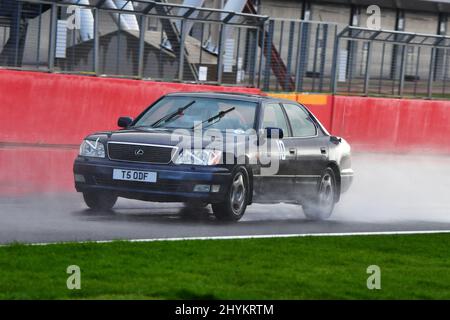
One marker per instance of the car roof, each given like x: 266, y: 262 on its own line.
x: 232, y: 95
x: 223, y: 95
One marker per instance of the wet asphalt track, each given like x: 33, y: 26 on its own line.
x: 390, y: 193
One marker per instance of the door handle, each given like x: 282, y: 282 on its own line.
x: 323, y: 150
x: 292, y: 150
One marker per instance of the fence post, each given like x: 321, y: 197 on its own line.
x: 381, y: 68
x: 316, y: 49
x: 290, y: 51
x: 220, y: 57
x: 252, y: 55
x: 299, y: 53
x: 96, y: 42
x: 142, y: 29
x: 368, y: 62
x: 431, y: 74
x: 334, y: 69
x: 268, y: 50
x: 38, y: 51
x: 52, y: 45
x: 182, y: 40
x: 261, y: 42
x: 17, y: 18
x: 303, y: 55
x: 323, y: 55
x: 402, y: 71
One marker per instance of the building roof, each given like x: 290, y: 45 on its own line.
x: 395, y: 37
x: 410, y: 5
x: 172, y: 10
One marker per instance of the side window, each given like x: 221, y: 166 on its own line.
x: 301, y: 123
x: 274, y: 117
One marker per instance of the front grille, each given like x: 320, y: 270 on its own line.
x: 139, y: 153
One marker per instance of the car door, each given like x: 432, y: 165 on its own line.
x: 311, y: 147
x: 277, y: 186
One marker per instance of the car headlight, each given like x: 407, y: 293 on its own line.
x: 203, y: 157
x: 92, y: 148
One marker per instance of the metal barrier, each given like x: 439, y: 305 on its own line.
x: 136, y: 39
x: 160, y: 41
x: 391, y: 63
x: 339, y: 59
x: 300, y: 58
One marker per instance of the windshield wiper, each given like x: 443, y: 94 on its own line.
x: 217, y: 116
x: 169, y: 117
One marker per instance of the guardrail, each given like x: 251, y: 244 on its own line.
x: 159, y: 41
x: 143, y: 39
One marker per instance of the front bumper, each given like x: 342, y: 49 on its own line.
x: 175, y: 183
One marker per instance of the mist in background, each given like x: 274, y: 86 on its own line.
x: 386, y: 188
x: 397, y: 187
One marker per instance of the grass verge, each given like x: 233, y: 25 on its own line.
x: 412, y: 267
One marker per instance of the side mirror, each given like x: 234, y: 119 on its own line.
x: 124, y: 122
x: 335, y: 140
x: 274, y: 133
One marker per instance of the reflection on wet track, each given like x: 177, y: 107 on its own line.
x: 390, y: 193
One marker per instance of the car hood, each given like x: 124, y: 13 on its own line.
x: 168, y: 137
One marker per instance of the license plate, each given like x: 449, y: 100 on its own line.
x: 133, y: 175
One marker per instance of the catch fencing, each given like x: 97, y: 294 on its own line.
x: 156, y: 40
x: 133, y: 39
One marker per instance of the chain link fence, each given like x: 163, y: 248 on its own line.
x: 160, y: 41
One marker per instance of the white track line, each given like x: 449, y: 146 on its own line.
x: 265, y: 236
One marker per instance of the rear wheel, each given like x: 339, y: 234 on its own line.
x: 100, y: 200
x: 233, y: 208
x: 322, y: 205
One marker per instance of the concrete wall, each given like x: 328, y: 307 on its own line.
x: 387, y: 18
x: 419, y: 21
x: 281, y: 9
x: 330, y: 13
x: 393, y: 125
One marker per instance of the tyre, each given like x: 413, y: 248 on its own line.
x: 233, y: 208
x: 100, y: 201
x: 322, y: 205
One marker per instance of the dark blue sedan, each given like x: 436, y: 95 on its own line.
x: 227, y: 150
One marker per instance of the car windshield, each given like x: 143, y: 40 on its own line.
x: 189, y: 112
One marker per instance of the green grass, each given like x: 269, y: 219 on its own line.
x: 412, y: 266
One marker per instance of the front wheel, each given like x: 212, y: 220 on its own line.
x: 233, y: 208
x: 100, y: 200
x: 322, y: 205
